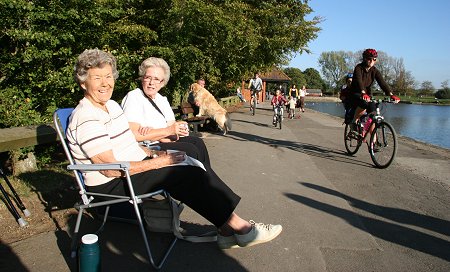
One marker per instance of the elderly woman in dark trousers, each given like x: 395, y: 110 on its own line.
x: 98, y: 132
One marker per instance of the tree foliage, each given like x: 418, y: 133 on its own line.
x: 313, y: 79
x: 310, y: 78
x: 222, y: 41
x: 336, y: 64
x: 444, y: 92
x: 426, y: 88
x: 296, y: 75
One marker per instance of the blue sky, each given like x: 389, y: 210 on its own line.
x: 416, y: 30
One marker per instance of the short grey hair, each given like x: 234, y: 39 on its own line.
x: 155, y: 62
x: 93, y: 58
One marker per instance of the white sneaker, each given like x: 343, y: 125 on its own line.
x: 260, y: 233
x: 226, y: 242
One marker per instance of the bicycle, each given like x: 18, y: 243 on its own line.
x: 253, y: 103
x: 278, y: 115
x: 382, y: 145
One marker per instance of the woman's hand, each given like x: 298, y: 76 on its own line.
x: 153, y: 153
x: 170, y: 158
x: 180, y: 128
x: 365, y: 97
x: 144, y: 130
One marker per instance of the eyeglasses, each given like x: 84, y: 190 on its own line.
x: 371, y: 59
x: 153, y: 79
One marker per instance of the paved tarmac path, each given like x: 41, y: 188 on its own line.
x: 339, y: 212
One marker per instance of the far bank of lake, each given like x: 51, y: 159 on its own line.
x: 422, y: 122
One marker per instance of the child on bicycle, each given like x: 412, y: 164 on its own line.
x: 277, y: 102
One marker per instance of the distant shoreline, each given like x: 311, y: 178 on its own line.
x: 336, y: 99
x: 322, y: 99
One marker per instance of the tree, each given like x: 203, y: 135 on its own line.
x: 296, y: 76
x: 444, y: 92
x: 313, y: 79
x: 223, y: 41
x: 353, y: 59
x: 334, y: 67
x: 444, y: 85
x: 403, y: 81
x: 427, y: 88
x: 386, y: 65
x: 336, y: 64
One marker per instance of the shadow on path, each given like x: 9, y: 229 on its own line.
x: 395, y: 214
x: 392, y: 232
x: 9, y: 260
x: 308, y: 149
x: 122, y: 249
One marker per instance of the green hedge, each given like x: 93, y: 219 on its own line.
x: 222, y: 41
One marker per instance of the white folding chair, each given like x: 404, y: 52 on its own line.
x: 92, y: 200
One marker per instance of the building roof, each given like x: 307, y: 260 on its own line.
x: 276, y: 75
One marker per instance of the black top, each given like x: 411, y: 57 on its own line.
x: 363, y: 80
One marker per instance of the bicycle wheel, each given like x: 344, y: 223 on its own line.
x: 351, y: 140
x: 383, y: 145
x: 280, y: 120
x: 254, y: 105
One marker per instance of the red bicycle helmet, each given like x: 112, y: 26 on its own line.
x: 370, y: 53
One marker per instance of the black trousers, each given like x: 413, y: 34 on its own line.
x: 356, y: 101
x: 203, y: 191
x: 193, y: 146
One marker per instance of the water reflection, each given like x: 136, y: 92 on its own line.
x: 425, y: 123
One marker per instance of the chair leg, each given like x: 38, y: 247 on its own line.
x: 105, y: 217
x: 73, y: 246
x: 147, y: 246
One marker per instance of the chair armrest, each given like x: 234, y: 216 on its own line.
x: 124, y: 166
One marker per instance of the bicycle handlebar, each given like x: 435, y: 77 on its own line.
x: 382, y: 100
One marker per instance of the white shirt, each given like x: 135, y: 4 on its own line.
x: 256, y: 83
x: 138, y: 109
x: 303, y: 92
x: 92, y: 131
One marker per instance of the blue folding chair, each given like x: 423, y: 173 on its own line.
x: 89, y: 200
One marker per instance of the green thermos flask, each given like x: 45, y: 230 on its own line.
x: 89, y: 254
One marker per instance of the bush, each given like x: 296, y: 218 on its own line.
x: 443, y: 94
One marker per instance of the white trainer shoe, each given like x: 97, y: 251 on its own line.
x: 260, y: 233
x: 226, y: 242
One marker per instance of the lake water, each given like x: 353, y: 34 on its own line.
x: 424, y: 123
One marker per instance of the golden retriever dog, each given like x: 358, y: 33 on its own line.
x: 208, y: 106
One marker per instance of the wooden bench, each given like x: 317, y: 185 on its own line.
x: 188, y: 115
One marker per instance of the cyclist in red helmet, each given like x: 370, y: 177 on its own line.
x: 364, y: 75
